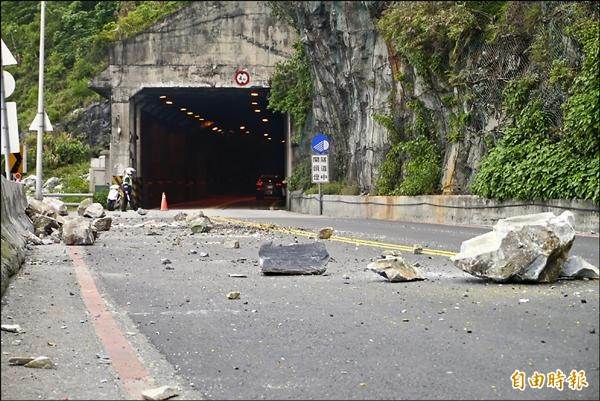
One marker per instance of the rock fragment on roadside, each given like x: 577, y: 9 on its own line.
x: 159, y: 393
x: 102, y: 223
x: 41, y: 362
x: 84, y: 205
x: 11, y: 328
x: 20, y: 360
x: 78, y: 231
x: 181, y: 216
x: 232, y: 244
x: 325, y: 233
x: 201, y: 225
x: 417, y: 249
x: 94, y: 211
x: 577, y: 267
x: 395, y: 269
x: 528, y: 248
x: 233, y: 295
x: 390, y: 254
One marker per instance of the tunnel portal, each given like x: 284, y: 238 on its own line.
x: 199, y: 143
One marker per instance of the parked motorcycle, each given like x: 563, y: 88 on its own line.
x: 113, y: 200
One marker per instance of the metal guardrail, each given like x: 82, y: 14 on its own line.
x: 532, y: 203
x: 88, y: 195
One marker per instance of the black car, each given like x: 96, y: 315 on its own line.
x: 270, y: 185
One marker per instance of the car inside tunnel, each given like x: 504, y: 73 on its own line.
x: 206, y: 143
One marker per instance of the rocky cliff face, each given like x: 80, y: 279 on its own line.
x: 90, y: 124
x: 358, y: 74
x: 352, y: 81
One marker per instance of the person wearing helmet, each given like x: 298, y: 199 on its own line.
x: 128, y: 189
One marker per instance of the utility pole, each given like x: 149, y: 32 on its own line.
x: 5, y: 128
x: 40, y: 110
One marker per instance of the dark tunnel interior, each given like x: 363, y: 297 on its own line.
x: 203, y: 142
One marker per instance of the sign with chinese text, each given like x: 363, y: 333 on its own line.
x: 320, y: 169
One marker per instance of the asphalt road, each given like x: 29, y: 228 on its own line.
x: 330, y: 337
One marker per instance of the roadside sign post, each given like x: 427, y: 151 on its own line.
x: 40, y: 111
x: 7, y: 86
x: 320, y: 164
x: 6, y: 147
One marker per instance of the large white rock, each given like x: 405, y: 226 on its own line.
x: 78, y: 231
x: 577, y: 267
x: 529, y: 248
x: 395, y: 269
x: 35, y: 206
x: 57, y: 205
x: 95, y: 211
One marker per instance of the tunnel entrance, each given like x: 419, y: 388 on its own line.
x: 201, y: 143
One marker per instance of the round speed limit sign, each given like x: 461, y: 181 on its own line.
x: 242, y: 78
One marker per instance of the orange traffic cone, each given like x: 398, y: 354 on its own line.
x: 163, y: 203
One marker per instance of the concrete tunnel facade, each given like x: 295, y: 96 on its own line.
x: 191, y: 59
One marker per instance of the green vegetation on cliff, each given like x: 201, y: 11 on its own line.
x: 77, y: 37
x: 539, y: 159
x: 292, y: 90
x: 548, y: 143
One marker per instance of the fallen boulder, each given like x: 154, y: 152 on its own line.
x: 57, y: 205
x: 35, y: 206
x: 78, y: 231
x: 201, y: 225
x: 95, y: 211
x: 325, y: 233
x: 84, y: 205
x: 141, y: 212
x: 395, y: 269
x: 43, y: 224
x: 577, y: 267
x: 308, y: 258
x: 102, y: 224
x: 529, y: 248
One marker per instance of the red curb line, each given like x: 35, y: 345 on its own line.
x: 124, y: 359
